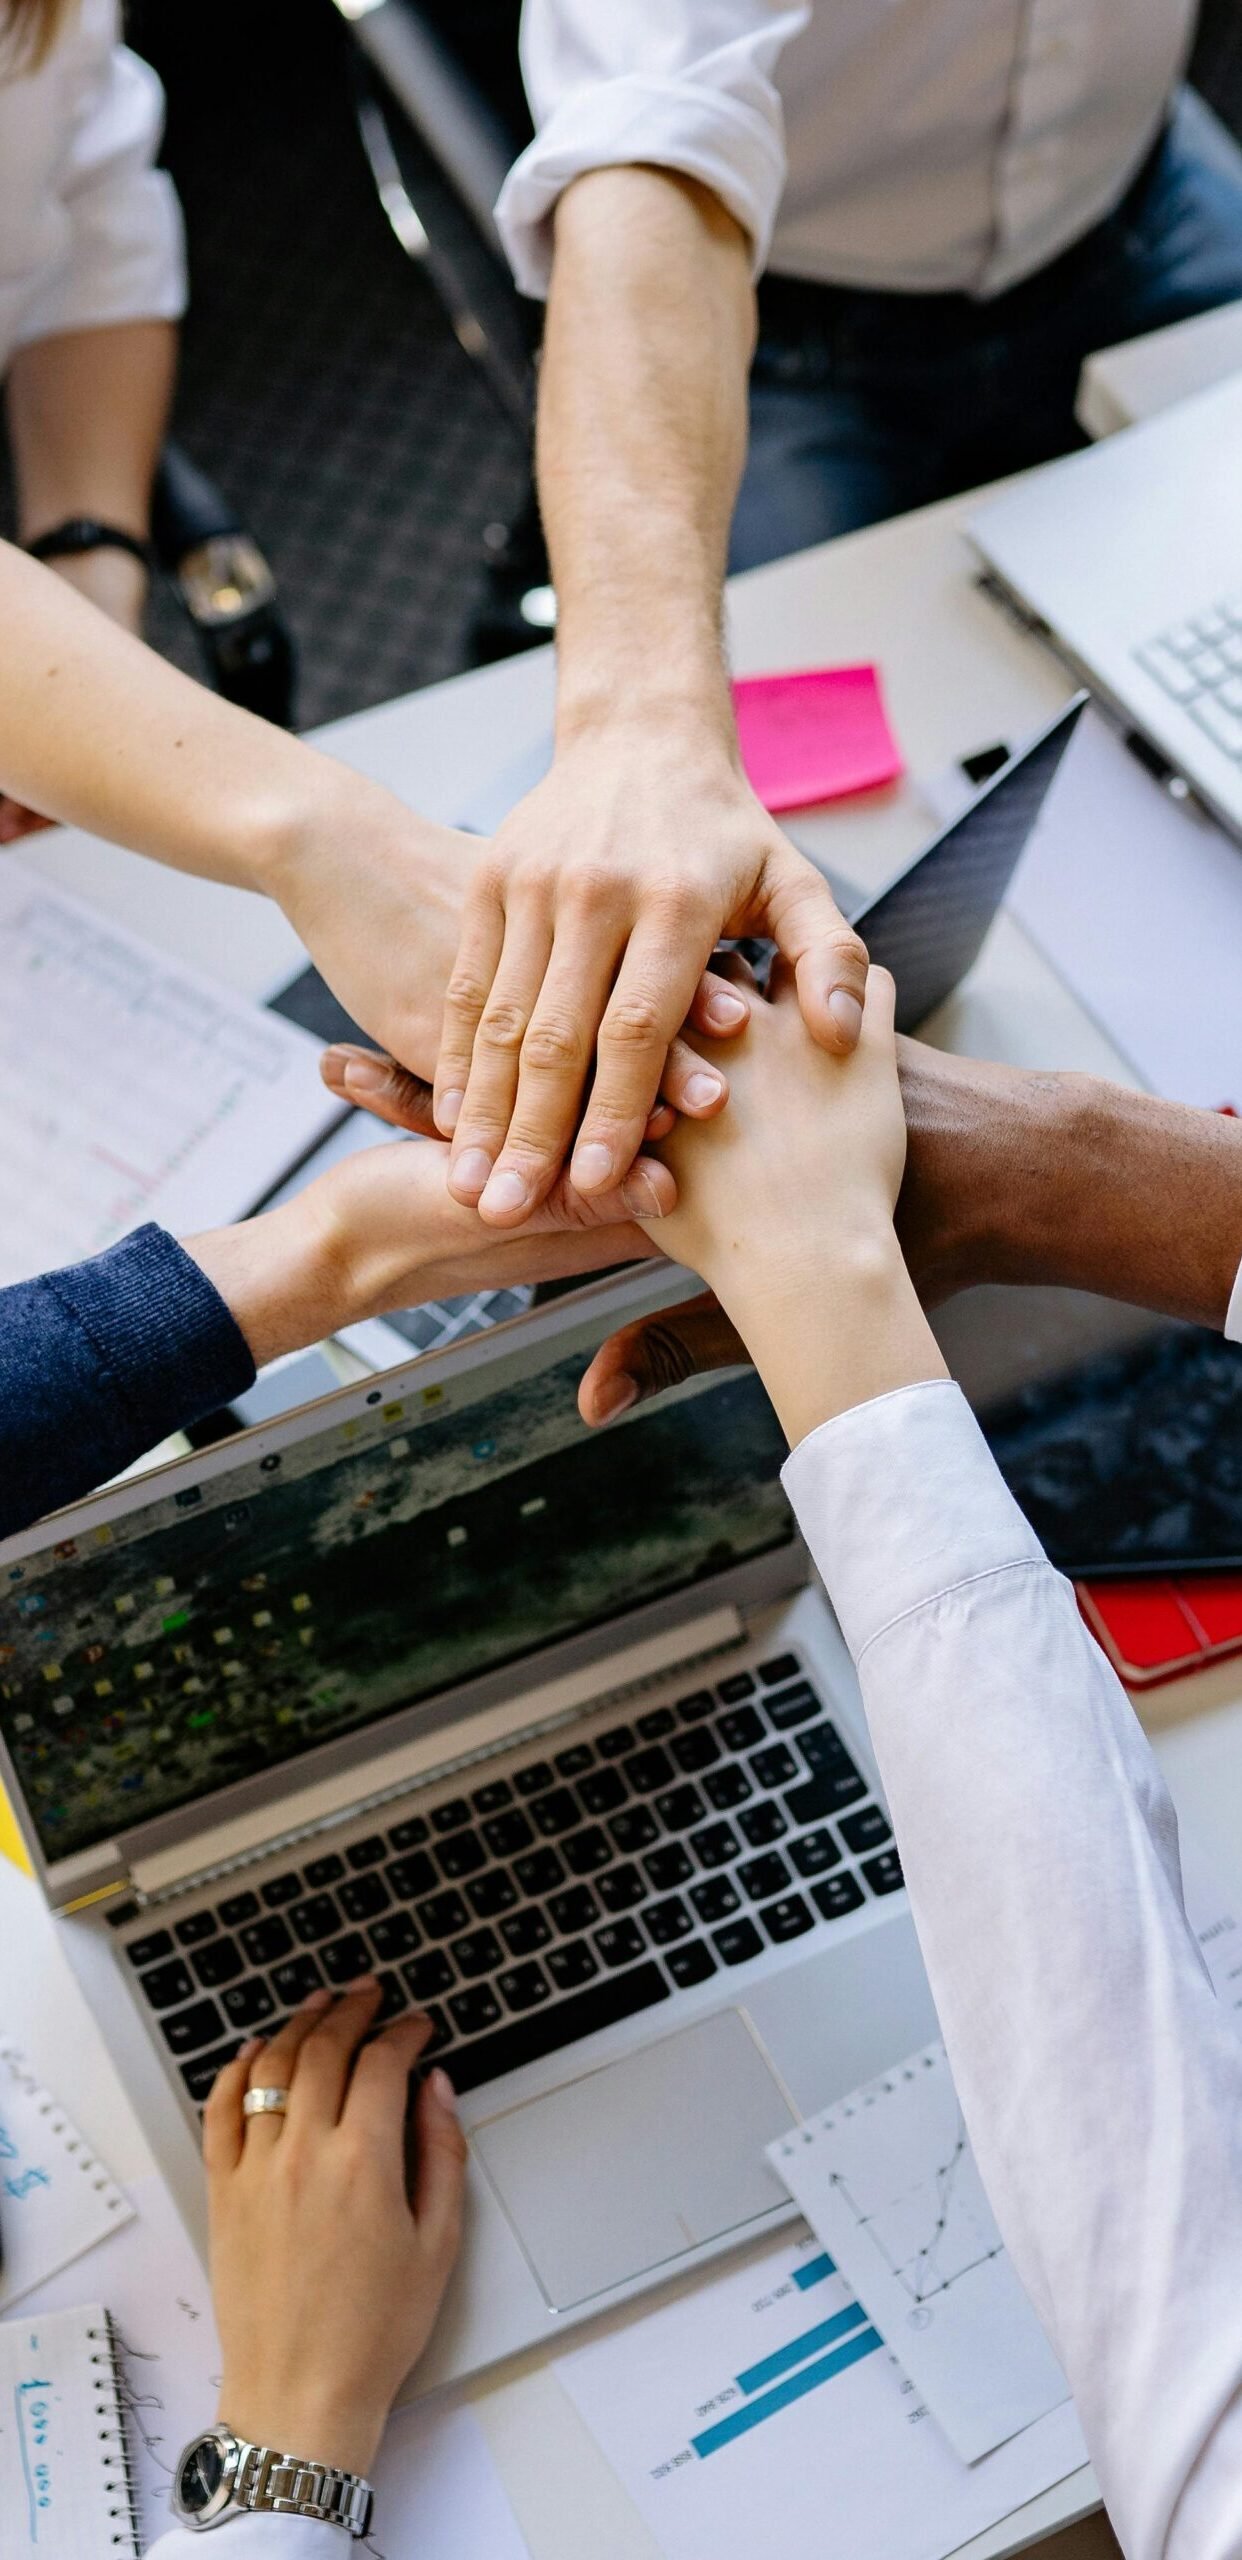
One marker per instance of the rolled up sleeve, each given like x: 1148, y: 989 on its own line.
x: 687, y: 88
x: 119, y: 244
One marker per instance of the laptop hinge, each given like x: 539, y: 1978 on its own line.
x: 271, y: 1829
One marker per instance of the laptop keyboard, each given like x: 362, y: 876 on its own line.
x: 445, y: 1320
x: 1198, y: 663
x: 553, y: 1896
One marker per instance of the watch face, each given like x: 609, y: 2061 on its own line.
x: 202, y: 2470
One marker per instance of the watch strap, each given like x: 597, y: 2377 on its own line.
x: 77, y: 534
x: 270, y: 2483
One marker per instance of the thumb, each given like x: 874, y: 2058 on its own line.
x: 440, y: 2180
x: 656, y: 1353
x: 828, y: 960
x: 377, y: 1084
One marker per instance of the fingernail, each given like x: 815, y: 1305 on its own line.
x: 640, y: 1196
x: 725, y: 1011
x: 366, y: 1076
x: 363, y: 1982
x: 472, y: 1171
x: 702, y: 1089
x: 320, y: 1999
x: 846, y: 1013
x: 448, y: 1112
x: 506, y: 1191
x: 616, y: 1396
x: 252, y: 2045
x: 591, y: 1169
x: 442, y: 2091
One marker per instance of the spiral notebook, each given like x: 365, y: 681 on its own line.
x: 66, y: 2484
x: 56, y: 2198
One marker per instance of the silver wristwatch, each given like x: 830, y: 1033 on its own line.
x: 219, y: 2476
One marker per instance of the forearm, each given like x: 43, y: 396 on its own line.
x: 88, y: 413
x: 1017, y: 1177
x: 641, y: 439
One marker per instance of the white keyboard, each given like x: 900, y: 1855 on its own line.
x: 1198, y: 663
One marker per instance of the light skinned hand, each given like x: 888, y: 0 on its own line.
x: 327, y: 2268
x: 585, y: 935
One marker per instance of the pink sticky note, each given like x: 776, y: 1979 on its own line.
x: 815, y: 735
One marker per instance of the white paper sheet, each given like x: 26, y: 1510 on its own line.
x: 1138, y: 905
x: 438, y: 2493
x: 56, y: 2199
x: 761, y: 2413
x: 887, y: 2180
x: 130, y: 1087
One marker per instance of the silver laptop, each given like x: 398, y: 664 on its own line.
x: 551, y: 1728
x: 1130, y: 556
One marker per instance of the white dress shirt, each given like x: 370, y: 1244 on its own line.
x: 90, y: 232
x: 914, y: 145
x: 1101, y: 2081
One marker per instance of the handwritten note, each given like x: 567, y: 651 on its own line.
x: 814, y: 735
x: 64, y: 2489
x: 56, y: 2198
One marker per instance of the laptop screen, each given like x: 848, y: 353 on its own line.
x: 227, y: 1626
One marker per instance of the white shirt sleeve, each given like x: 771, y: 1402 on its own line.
x: 1233, y: 1321
x: 679, y: 84
x: 1101, y: 2081
x: 110, y: 233
x: 260, y: 2538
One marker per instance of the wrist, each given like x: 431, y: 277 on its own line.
x: 285, y: 1277
x: 316, y: 2427
x: 834, y: 1329
x: 631, y: 698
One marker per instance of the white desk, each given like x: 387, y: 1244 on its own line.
x: 958, y: 677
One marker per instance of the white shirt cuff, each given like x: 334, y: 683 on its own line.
x: 899, y: 1501
x: 259, y: 2537
x: 1233, y: 1321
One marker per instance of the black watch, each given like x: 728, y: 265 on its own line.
x: 220, y: 2476
x: 77, y: 534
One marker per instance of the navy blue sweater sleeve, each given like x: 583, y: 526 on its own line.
x: 100, y: 1361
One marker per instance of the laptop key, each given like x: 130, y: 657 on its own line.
x: 314, y: 1919
x: 429, y: 1976
x: 869, y: 1828
x: 532, y: 1780
x: 700, y: 1703
x: 620, y: 1943
x: 554, y: 1813
x: 621, y: 1888
x: 221, y: 1960
x: 279, y: 1889
x: 884, y: 1874
x: 199, y: 1925
x: 540, y: 1871
x: 441, y: 2031
x: 367, y: 1853
x: 188, y: 2029
x: 478, y: 1953
x: 462, y: 1855
x: 740, y: 1684
x: 741, y: 1728
x: 572, y: 1911
x: 784, y: 1666
x: 239, y: 1907
x: 493, y: 1797
x: 789, y: 1707
x: 363, y: 1896
x: 788, y: 1918
x: 201, y: 2074
x: 474, y: 2010
x: 775, y: 1767
x: 569, y: 1966
x: 602, y: 1791
x: 691, y: 1964
x: 656, y: 1724
x: 813, y: 1855
x: 393, y: 1936
x: 168, y: 1984
x: 558, y: 2024
x: 837, y: 1895
x: 737, y: 1942
x: 821, y: 1796
x: 345, y: 1958
x: 571, y: 1763
x: 647, y: 1770
x: 717, y: 1846
x: 266, y: 1941
x: 409, y: 1834
x: 444, y: 1916
x: 508, y: 1835
x: 247, y: 2004
x: 294, y: 1980
x: 667, y: 1921
x: 450, y: 1817
x: 681, y: 1808
x: 762, y: 1823
x: 492, y: 1893
x: 119, y: 1914
x: 695, y: 1750
x: 715, y: 1900
x: 636, y: 1828
x: 824, y: 1752
x: 525, y: 1931
x: 669, y: 1867
x: 392, y: 1999
x: 148, y: 1950
x: 613, y: 1744
x: 408, y: 1877
x: 585, y: 1851
x: 524, y: 1987
x: 762, y: 1877
x: 322, y: 1871
x: 725, y: 1788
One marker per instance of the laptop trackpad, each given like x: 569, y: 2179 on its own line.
x: 627, y: 2168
